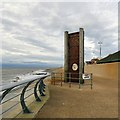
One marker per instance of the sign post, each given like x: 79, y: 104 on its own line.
x: 85, y: 77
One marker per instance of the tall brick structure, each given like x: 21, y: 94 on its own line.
x: 74, y: 55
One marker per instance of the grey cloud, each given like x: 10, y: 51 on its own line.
x: 95, y: 28
x: 38, y: 43
x: 54, y: 18
x: 15, y: 50
x: 11, y: 15
x: 9, y: 25
x: 8, y: 22
x: 30, y: 58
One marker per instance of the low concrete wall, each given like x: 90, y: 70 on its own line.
x: 106, y: 71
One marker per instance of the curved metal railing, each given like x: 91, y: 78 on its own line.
x: 23, y: 86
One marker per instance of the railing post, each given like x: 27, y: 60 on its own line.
x: 69, y: 79
x: 35, y: 92
x: 41, y: 87
x: 79, y: 81
x: 5, y: 93
x: 43, y: 83
x: 91, y: 80
x: 54, y: 78
x: 51, y: 78
x: 61, y: 79
x: 24, y: 107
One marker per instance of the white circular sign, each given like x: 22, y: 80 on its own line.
x: 74, y: 66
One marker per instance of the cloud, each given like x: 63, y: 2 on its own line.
x: 34, y: 32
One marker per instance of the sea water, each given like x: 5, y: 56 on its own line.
x: 9, y: 74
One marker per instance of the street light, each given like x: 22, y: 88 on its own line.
x: 100, y: 43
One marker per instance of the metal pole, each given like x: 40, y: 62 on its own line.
x: 100, y: 43
x: 100, y: 50
x: 69, y: 79
x: 81, y: 54
x: 5, y: 93
x: 61, y: 79
x: 66, y: 52
x: 22, y: 100
x: 79, y: 82
x: 91, y: 81
x: 35, y: 92
x: 54, y: 78
x: 41, y: 88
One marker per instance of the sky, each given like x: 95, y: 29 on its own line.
x: 33, y: 32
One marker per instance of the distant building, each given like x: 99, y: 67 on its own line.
x: 92, y: 61
x: 88, y: 62
x: 115, y: 57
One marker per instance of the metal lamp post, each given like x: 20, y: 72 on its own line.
x: 100, y: 43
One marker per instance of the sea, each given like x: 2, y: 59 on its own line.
x: 9, y: 74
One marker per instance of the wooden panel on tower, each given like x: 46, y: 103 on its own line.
x: 74, y: 56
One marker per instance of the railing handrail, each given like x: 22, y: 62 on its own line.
x: 26, y: 81
x: 23, y: 81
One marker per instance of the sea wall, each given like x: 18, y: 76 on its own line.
x: 106, y: 71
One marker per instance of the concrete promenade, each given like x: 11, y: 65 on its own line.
x: 72, y: 102
x: 65, y: 102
